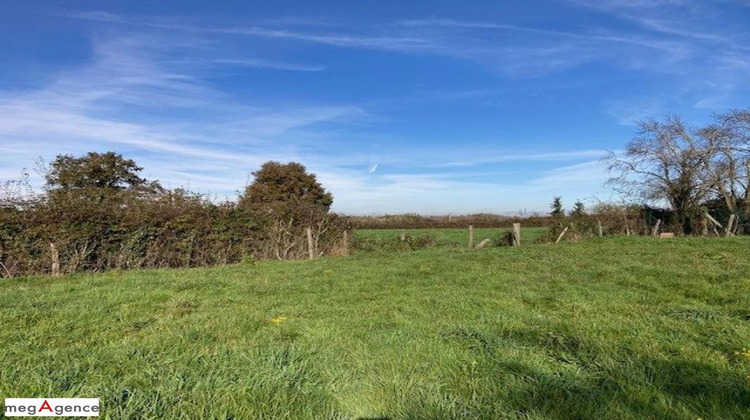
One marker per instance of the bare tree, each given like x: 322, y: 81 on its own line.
x: 665, y: 161
x: 728, y: 170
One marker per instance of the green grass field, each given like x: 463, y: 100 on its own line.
x: 606, y: 328
x: 456, y: 238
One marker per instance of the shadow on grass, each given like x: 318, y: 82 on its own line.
x: 581, y: 381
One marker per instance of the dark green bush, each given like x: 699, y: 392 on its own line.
x: 127, y: 222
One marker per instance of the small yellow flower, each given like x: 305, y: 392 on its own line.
x: 745, y: 354
x: 279, y: 319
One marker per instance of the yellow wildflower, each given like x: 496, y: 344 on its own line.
x: 279, y: 319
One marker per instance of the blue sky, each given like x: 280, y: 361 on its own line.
x: 421, y: 106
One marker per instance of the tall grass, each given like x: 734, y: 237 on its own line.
x: 606, y: 328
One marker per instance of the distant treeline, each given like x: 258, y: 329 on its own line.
x: 635, y: 219
x: 416, y: 221
x: 96, y: 213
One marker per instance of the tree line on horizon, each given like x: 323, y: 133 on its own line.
x: 97, y: 213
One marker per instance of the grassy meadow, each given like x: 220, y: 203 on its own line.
x: 455, y: 238
x: 623, y: 328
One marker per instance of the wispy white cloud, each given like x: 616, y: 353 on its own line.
x: 488, y: 158
x: 580, y: 173
x: 629, y: 111
x: 267, y: 64
x: 390, y: 43
x: 350, y: 40
x: 660, y: 42
x: 614, y: 5
x: 279, y: 122
x: 707, y: 66
x: 680, y: 18
x: 92, y: 108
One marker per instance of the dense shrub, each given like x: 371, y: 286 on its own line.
x: 174, y: 230
x: 97, y: 214
x: 285, y: 200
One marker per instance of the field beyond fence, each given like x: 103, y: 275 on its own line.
x: 387, y: 239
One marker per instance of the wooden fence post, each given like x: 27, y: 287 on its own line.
x: 345, y: 242
x: 517, y: 233
x: 559, y: 238
x: 7, y: 272
x: 403, y: 235
x: 55, y: 259
x: 655, y: 232
x: 716, y: 224
x: 310, y: 246
x: 714, y: 221
x: 483, y: 243
x: 601, y: 231
x: 471, y: 236
x: 729, y: 225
